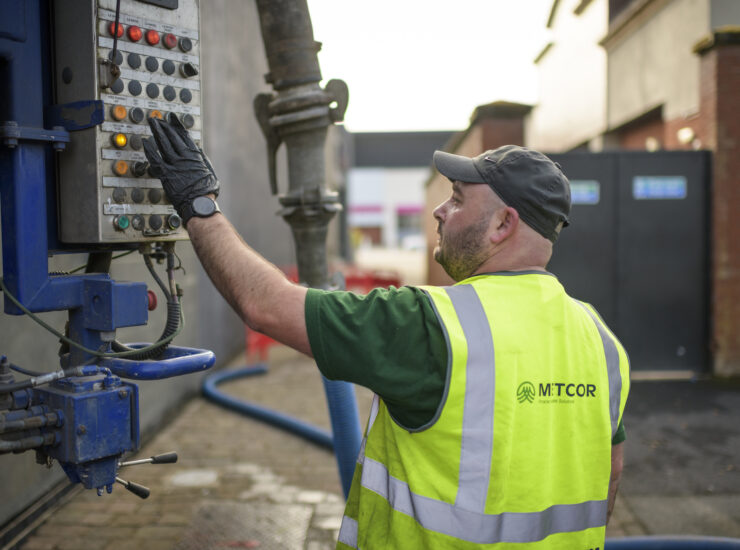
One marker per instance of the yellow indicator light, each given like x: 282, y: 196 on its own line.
x: 155, y: 114
x: 118, y: 112
x: 119, y: 140
x: 120, y: 167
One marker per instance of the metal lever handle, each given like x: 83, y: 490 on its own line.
x: 165, y: 458
x: 135, y: 488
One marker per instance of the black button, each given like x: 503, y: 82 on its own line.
x: 135, y: 142
x: 169, y: 93
x: 151, y: 64
x: 137, y: 222
x: 186, y: 95
x: 119, y: 195
x: 117, y: 86
x: 188, y: 121
x: 137, y: 195
x: 134, y: 60
x: 186, y: 44
x: 136, y: 114
x: 155, y: 221
x: 155, y: 195
x: 168, y: 66
x: 119, y: 57
x: 174, y: 221
x: 170, y: 117
x: 152, y: 90
x: 134, y: 87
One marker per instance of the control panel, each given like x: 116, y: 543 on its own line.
x: 106, y: 191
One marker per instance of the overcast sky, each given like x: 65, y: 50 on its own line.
x: 426, y: 64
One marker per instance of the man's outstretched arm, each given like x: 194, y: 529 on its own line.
x: 257, y: 290
x: 261, y: 295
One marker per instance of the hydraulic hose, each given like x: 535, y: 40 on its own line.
x: 672, y: 543
x: 291, y: 424
x: 342, y: 409
x: 27, y: 443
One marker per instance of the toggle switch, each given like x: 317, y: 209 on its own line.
x: 188, y: 69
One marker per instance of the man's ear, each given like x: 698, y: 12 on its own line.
x: 503, y: 224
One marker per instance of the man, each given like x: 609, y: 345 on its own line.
x: 497, y: 416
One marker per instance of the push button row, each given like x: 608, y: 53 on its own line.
x: 138, y: 222
x: 136, y: 115
x: 152, y: 37
x: 137, y: 195
x: 152, y: 90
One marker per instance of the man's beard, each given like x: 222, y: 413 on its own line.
x: 462, y: 253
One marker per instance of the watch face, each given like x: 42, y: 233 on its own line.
x: 203, y: 206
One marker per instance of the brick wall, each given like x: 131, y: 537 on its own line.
x: 720, y: 102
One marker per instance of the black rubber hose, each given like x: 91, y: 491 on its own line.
x: 173, y: 322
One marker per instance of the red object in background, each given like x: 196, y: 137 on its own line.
x: 112, y: 29
x: 152, y: 37
x: 170, y: 41
x: 135, y: 33
x: 357, y: 280
x: 152, y: 300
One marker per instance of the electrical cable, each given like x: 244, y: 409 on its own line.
x: 96, y: 353
x: 174, y: 312
x: 83, y: 266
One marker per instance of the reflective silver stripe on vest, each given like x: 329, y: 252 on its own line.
x: 348, y: 532
x: 612, y: 368
x: 475, y: 527
x: 480, y: 388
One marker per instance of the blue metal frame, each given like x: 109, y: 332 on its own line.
x: 98, y: 416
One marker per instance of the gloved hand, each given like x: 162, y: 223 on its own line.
x: 185, y: 171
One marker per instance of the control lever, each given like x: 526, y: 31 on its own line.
x: 166, y: 458
x: 135, y: 488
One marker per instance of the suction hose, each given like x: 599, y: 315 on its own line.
x: 343, y: 412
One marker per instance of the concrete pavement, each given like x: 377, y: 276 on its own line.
x: 242, y: 484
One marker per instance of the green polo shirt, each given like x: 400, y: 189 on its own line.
x: 389, y: 341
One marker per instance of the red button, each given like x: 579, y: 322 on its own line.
x: 152, y: 37
x: 170, y: 41
x: 135, y: 33
x: 112, y: 29
x: 151, y: 300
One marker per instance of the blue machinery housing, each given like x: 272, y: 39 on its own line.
x: 87, y: 417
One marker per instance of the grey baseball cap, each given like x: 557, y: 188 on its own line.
x: 524, y: 179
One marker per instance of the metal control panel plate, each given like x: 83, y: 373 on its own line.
x: 106, y: 193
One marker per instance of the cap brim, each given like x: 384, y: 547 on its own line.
x: 457, y: 168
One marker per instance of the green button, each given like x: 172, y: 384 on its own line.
x: 123, y: 222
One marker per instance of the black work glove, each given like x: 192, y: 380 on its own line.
x: 183, y: 168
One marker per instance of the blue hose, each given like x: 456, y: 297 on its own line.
x: 672, y: 543
x: 342, y: 410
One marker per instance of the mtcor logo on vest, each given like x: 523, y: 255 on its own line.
x: 553, y: 392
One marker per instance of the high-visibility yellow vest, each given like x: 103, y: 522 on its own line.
x: 519, y: 453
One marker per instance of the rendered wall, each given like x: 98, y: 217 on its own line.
x: 571, y: 108
x: 233, y: 64
x: 651, y: 62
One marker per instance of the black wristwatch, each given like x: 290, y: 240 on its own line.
x: 203, y: 207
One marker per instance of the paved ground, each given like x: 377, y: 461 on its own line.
x: 242, y: 484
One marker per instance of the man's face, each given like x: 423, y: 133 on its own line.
x: 463, y: 221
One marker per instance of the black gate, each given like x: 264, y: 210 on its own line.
x: 637, y: 249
